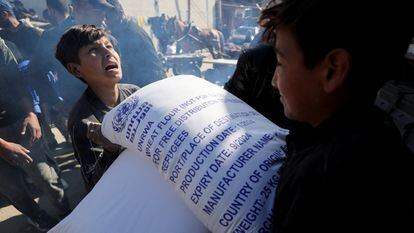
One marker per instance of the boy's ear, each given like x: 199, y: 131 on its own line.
x: 73, y: 68
x: 337, y: 65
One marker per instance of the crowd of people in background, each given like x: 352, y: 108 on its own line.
x: 346, y: 165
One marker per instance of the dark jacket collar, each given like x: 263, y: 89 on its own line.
x: 98, y: 107
x: 351, y: 115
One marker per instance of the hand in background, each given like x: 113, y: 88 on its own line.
x: 14, y: 153
x: 32, y: 123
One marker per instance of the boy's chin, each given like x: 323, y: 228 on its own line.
x: 114, y: 76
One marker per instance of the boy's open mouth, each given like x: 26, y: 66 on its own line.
x: 111, y: 66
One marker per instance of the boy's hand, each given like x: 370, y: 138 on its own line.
x: 94, y: 134
x: 32, y: 123
x: 14, y: 153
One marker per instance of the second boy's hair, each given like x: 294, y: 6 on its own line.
x: 67, y: 50
x: 375, y: 39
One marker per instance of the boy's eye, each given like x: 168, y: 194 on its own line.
x: 92, y: 50
x: 109, y: 46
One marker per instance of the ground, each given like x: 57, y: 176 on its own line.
x: 12, y: 221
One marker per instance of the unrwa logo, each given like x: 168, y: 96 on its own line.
x: 122, y: 113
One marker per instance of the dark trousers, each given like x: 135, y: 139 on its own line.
x: 42, y: 174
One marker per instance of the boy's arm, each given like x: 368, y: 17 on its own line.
x: 94, y: 134
x: 84, y: 150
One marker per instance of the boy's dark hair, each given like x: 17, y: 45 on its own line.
x: 67, y: 50
x: 376, y: 35
x: 62, y: 6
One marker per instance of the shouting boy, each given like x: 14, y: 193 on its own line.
x: 87, y: 53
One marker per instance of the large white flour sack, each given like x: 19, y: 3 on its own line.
x: 221, y: 156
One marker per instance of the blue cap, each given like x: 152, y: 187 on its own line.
x: 6, y: 6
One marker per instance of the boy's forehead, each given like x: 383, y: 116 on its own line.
x: 103, y: 39
x: 282, y: 42
x: 286, y: 43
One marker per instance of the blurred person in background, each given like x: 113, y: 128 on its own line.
x: 25, y: 37
x: 21, y: 153
x: 23, y: 34
x: 142, y: 65
x: 89, y: 11
x: 58, y: 91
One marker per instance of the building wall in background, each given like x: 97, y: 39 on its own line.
x: 202, y: 11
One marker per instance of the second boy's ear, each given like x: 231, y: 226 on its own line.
x: 73, y: 68
x: 337, y: 65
